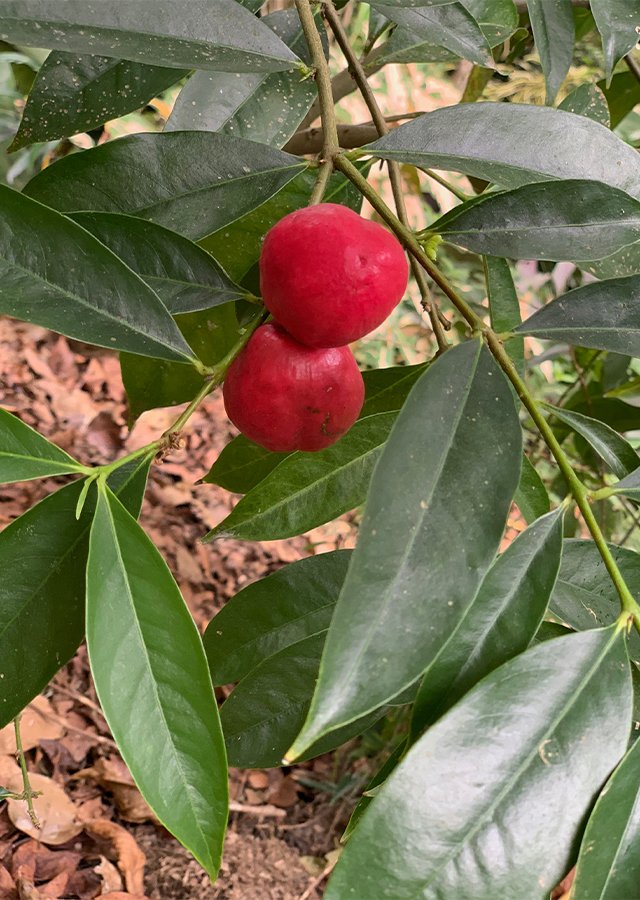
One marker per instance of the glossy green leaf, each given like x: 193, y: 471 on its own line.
x: 449, y: 25
x: 554, y: 33
x: 387, y: 389
x: 489, y: 801
x: 238, y: 246
x: 609, y: 861
x: 406, y: 47
x: 285, y: 607
x: 622, y: 95
x: 153, y: 682
x: 629, y: 486
x: 559, y: 220
x: 584, y: 596
x: 618, y: 454
x: 493, y: 141
x: 588, y: 100
x: 498, y: 19
x: 548, y: 631
x: 43, y: 556
x: 616, y: 21
x: 53, y: 273
x: 265, y: 711
x: 25, y: 454
x: 625, y: 261
x: 192, y: 182
x: 260, y: 108
x: 410, y: 4
x: 242, y: 465
x: 152, y: 383
x: 616, y: 413
x: 531, y: 495
x: 308, y: 489
x: 184, y: 276
x: 220, y: 36
x: 603, y: 315
x: 434, y: 518
x: 72, y: 94
x: 498, y: 625
x: 504, y: 306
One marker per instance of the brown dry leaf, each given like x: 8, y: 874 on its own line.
x: 130, y: 858
x: 287, y: 793
x: 55, y: 811
x: 56, y: 888
x: 8, y: 889
x: 120, y: 895
x: 36, y: 724
x: 111, y: 880
x: 112, y: 774
x: 27, y: 891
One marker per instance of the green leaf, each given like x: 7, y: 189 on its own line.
x: 498, y: 625
x: 265, y: 711
x: 507, y: 775
x: 493, y: 141
x: 25, y: 454
x: 504, y: 306
x: 588, y: 100
x: 434, y: 518
x: 271, y: 614
x: 618, y: 454
x: 531, y: 495
x: 72, y: 94
x: 616, y: 21
x: 43, y: 556
x: 267, y: 109
x: 387, y: 389
x: 238, y: 246
x: 152, y: 679
x: 498, y: 19
x: 449, y: 25
x: 584, y: 596
x: 629, y: 486
x: 192, y: 182
x: 54, y: 274
x: 622, y: 95
x: 184, y: 276
x: 221, y: 36
x: 308, y: 489
x: 367, y: 797
x: 242, y: 465
x: 151, y: 383
x: 609, y: 861
x: 603, y: 315
x: 554, y: 33
x: 559, y: 220
x: 406, y: 47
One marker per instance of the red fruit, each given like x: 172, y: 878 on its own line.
x: 287, y: 396
x: 330, y: 276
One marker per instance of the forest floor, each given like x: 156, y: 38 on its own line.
x: 101, y: 839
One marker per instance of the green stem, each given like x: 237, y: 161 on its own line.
x: 628, y: 604
x: 323, y: 79
x: 28, y: 793
x: 322, y: 181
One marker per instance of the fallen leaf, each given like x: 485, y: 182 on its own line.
x: 8, y: 890
x: 112, y: 774
x: 56, y: 888
x: 120, y: 895
x: 130, y: 858
x: 55, y: 811
x: 36, y: 724
x: 111, y: 880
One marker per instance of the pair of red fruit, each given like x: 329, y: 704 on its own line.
x: 328, y: 277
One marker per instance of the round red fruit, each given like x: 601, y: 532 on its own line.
x: 286, y: 396
x: 329, y: 276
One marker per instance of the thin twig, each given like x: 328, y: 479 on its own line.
x: 28, y: 792
x: 267, y: 810
x: 318, y: 880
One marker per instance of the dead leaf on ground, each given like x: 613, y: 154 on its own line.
x: 120, y: 895
x: 112, y: 774
x: 130, y: 858
x: 111, y: 880
x: 55, y: 811
x: 36, y: 724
